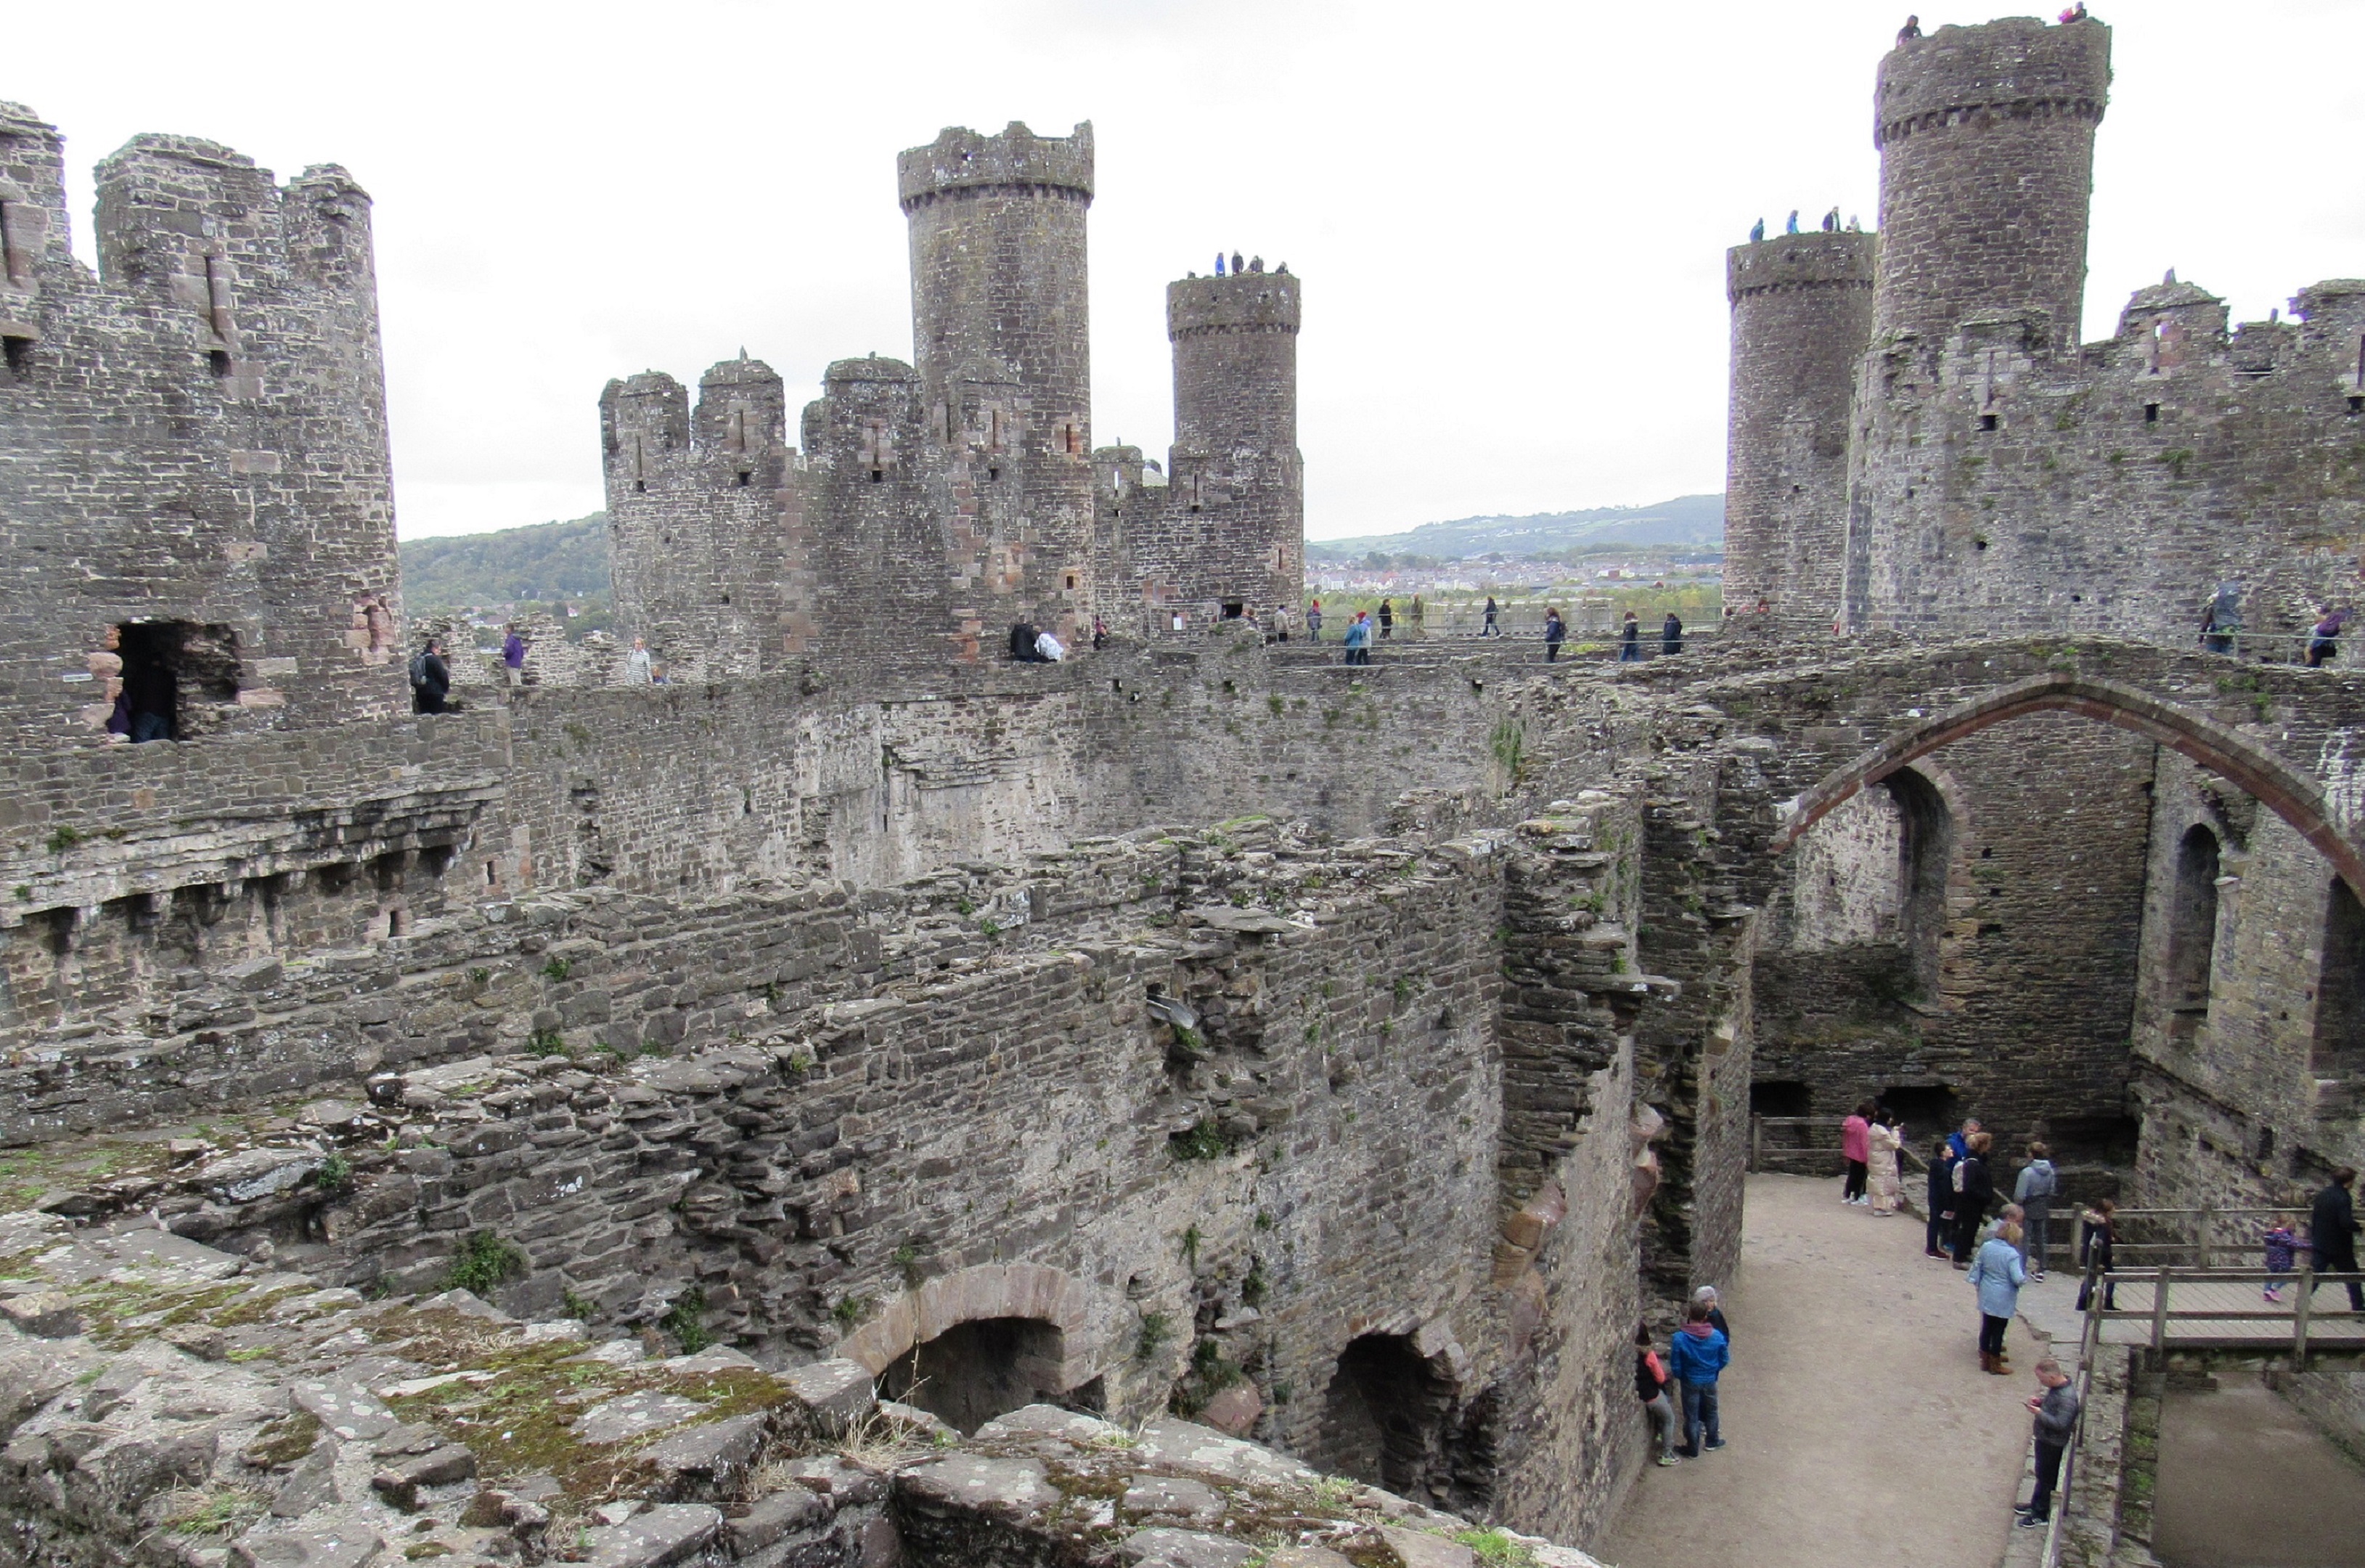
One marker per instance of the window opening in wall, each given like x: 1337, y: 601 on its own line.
x: 1780, y: 1097
x: 1926, y: 1109
x: 1072, y: 582
x: 1233, y: 608
x: 2151, y: 413
x: 1925, y: 854
x: 745, y: 477
x: 18, y: 352
x: 1389, y: 1418
x: 976, y: 1370
x: 878, y: 476
x: 395, y: 923
x: 2339, y: 1046
x: 1987, y: 421
x: 2191, y: 934
x: 492, y: 873
x: 218, y: 360
x: 993, y: 474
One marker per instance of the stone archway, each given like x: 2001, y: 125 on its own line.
x: 989, y: 1338
x: 2282, y: 788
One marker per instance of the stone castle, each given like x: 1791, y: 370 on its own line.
x: 869, y: 1096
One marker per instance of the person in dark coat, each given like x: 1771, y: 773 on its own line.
x: 2098, y: 1239
x: 1942, y: 1200
x: 1671, y: 635
x: 1630, y: 640
x: 2333, y: 1226
x: 1387, y: 620
x: 1555, y: 633
x: 1974, y: 1190
x: 430, y: 679
x: 1706, y: 1297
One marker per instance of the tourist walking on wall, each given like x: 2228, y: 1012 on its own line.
x: 1630, y: 640
x: 1882, y: 1144
x: 1555, y: 633
x: 1388, y: 621
x: 513, y: 656
x: 2033, y: 1192
x: 1671, y: 636
x: 1996, y: 1275
x: 2055, y: 1406
x: 1417, y: 620
x: 2324, y: 643
x: 1940, y: 1223
x: 638, y: 668
x: 1697, y: 1356
x: 1651, y: 1381
x: 1314, y: 622
x: 1855, y: 1147
x: 1359, y: 639
x: 2333, y: 1221
x: 2098, y: 1242
x: 1490, y: 629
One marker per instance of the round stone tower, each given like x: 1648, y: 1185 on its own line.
x: 1801, y: 315
x: 1987, y: 172
x: 1235, y: 462
x: 1001, y: 333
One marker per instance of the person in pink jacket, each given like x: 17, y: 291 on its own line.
x: 1855, y: 1145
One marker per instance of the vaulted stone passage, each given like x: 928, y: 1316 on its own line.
x: 976, y: 1370
x: 1393, y: 1418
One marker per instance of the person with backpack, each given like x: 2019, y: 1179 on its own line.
x: 1697, y: 1355
x: 1651, y: 1380
x: 430, y: 679
x: 1490, y: 629
x: 1555, y: 633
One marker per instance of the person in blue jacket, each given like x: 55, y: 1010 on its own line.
x: 1997, y: 1274
x: 1697, y: 1356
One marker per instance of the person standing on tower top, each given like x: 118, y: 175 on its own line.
x: 1757, y: 232
x: 1910, y: 30
x: 1219, y: 263
x: 1791, y: 227
x: 1237, y: 267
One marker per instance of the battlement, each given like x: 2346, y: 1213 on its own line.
x: 1800, y: 261
x: 2018, y: 65
x: 964, y: 159
x: 1250, y: 302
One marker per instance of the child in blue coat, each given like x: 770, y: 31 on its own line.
x: 1697, y: 1355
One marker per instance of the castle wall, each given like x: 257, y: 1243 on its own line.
x: 1801, y: 313
x: 195, y: 440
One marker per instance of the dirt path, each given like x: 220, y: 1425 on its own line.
x: 1860, y: 1431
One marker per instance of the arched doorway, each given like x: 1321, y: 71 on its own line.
x: 981, y: 1369
x: 1396, y: 1419
x: 2191, y: 934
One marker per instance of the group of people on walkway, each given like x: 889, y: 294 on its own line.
x: 1698, y: 1353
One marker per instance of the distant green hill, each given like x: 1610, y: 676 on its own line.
x: 547, y: 561
x: 1686, y: 519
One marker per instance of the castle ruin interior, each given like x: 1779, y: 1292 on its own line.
x: 869, y: 1096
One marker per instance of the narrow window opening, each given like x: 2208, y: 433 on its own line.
x: 2356, y: 404
x: 492, y: 873
x: 1072, y: 582
x: 394, y: 923
x: 878, y: 476
x: 993, y: 474
x: 745, y: 478
x: 15, y: 267
x: 218, y: 360
x: 1987, y: 421
x: 2191, y: 934
x: 2151, y: 413
x: 640, y: 484
x: 2339, y: 1046
x: 19, y: 353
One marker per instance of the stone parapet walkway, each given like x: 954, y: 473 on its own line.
x: 1860, y: 1431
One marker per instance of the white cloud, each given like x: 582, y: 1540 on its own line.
x: 1511, y: 218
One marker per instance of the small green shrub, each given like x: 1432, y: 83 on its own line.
x: 686, y: 1321
x: 1203, y: 1140
x: 334, y: 1176
x: 907, y: 1264
x: 1156, y: 1328
x: 850, y: 1310
x: 546, y: 1043
x: 1253, y: 1286
x: 557, y: 968
x: 578, y: 1306
x: 1495, y: 1550
x: 484, y: 1261
x: 478, y: 977
x: 1191, y: 1239
x: 64, y: 837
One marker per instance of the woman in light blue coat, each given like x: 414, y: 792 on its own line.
x: 1996, y: 1274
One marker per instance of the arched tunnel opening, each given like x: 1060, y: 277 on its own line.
x: 987, y: 1367
x: 1392, y: 1418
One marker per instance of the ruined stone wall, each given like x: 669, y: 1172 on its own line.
x: 192, y: 446
x: 2240, y: 1105
x: 1802, y: 313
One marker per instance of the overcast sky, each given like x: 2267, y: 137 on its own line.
x: 1510, y: 217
